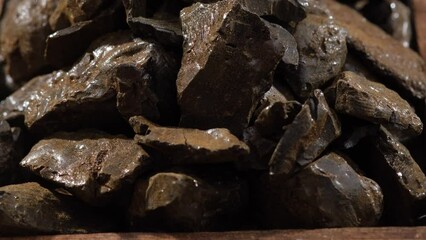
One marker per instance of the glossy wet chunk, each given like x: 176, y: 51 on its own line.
x: 359, y: 97
x: 223, y: 75
x: 210, y: 115
x: 193, y: 146
x: 401, y: 65
x: 93, y: 166
x: 107, y: 75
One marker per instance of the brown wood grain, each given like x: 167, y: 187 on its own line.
x: 337, y: 233
x: 419, y: 8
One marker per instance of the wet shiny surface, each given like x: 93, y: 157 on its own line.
x: 221, y: 72
x: 403, y: 66
x: 193, y: 146
x: 371, y: 101
x: 93, y: 166
x: 104, y: 74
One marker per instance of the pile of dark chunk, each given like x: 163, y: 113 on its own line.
x: 203, y: 115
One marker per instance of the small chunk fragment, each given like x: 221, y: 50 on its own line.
x: 313, y: 129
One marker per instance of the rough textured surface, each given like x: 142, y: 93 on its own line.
x: 181, y: 202
x: 157, y: 19
x: 327, y: 193
x: 192, y: 146
x: 313, y: 129
x: 22, y: 38
x: 223, y: 73
x: 107, y: 75
x: 402, y: 180
x: 32, y: 209
x: 403, y: 66
x: 322, y: 54
x: 93, y: 166
x: 261, y: 150
x: 371, y: 101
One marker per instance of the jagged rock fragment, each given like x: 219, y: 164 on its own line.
x: 312, y: 130
x: 225, y: 65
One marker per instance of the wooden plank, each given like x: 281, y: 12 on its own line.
x: 419, y: 9
x: 387, y: 233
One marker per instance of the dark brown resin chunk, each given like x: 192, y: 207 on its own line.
x: 322, y: 54
x: 193, y: 146
x: 118, y: 72
x: 93, y: 166
x: 181, y: 202
x: 32, y: 209
x: 372, y: 101
x: 313, y: 129
x: 390, y: 58
x: 327, y: 193
x: 228, y: 54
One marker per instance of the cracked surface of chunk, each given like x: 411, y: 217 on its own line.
x: 228, y: 54
x: 372, y: 101
x: 93, y: 166
x: 32, y: 209
x: 327, y: 193
x: 193, y: 146
x: 401, y: 65
x: 312, y: 130
x: 118, y: 72
x: 322, y: 54
x: 181, y: 202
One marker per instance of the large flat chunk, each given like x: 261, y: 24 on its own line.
x: 29, y: 208
x: 313, y: 129
x: 402, y: 65
x: 193, y: 146
x: 93, y: 166
x: 372, y: 101
x: 228, y: 54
